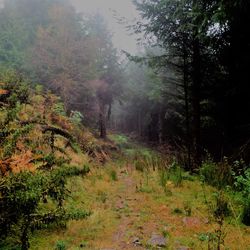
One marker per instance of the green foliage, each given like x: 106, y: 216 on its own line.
x: 76, y: 117
x: 203, y: 237
x: 17, y: 86
x: 120, y: 140
x: 144, y: 159
x: 242, y: 184
x: 171, y: 175
x: 175, y: 173
x: 216, y: 174
x: 60, y: 245
x: 24, y: 199
x: 11, y: 115
x: 113, y: 175
x: 163, y: 177
x: 39, y: 89
x: 29, y: 201
x: 176, y: 176
x: 59, y: 109
x: 220, y: 207
x: 9, y: 144
x: 64, y: 61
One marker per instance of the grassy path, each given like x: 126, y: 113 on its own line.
x: 130, y: 206
x: 127, y: 210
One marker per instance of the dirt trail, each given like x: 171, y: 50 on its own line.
x: 128, y: 199
x: 133, y: 210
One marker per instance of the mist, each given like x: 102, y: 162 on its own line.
x: 111, y: 10
x: 124, y: 124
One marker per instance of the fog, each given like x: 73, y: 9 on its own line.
x: 165, y: 126
x: 122, y: 38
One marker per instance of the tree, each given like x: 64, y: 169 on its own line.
x: 109, y: 77
x: 197, y: 38
x: 19, y: 21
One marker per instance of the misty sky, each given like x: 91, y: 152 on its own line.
x: 122, y: 38
x: 125, y: 8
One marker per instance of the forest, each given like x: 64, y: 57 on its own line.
x: 107, y: 149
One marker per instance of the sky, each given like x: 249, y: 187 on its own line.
x: 122, y: 38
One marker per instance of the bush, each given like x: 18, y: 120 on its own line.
x: 76, y: 117
x: 216, y: 174
x: 23, y: 202
x: 175, y: 173
x: 221, y: 207
x: 242, y: 184
x: 171, y: 176
x: 113, y: 175
x: 60, y: 245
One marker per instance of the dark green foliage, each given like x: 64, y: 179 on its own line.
x: 242, y: 184
x: 113, y: 175
x: 198, y: 97
x: 221, y: 207
x: 177, y: 211
x: 245, y: 217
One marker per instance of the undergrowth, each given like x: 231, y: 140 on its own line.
x: 37, y: 148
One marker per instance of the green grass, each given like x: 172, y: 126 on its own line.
x: 153, y: 201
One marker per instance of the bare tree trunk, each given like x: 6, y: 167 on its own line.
x: 187, y: 115
x: 196, y: 95
x: 139, y: 124
x: 160, y: 129
x: 102, y: 121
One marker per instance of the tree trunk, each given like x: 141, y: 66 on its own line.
x: 102, y: 122
x: 187, y: 115
x: 160, y: 129
x: 196, y: 77
x: 196, y: 103
x: 139, y: 123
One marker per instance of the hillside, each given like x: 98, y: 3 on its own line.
x: 132, y: 197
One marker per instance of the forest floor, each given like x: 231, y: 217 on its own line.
x: 132, y: 209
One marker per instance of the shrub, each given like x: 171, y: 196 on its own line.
x: 219, y: 175
x: 23, y: 202
x: 170, y: 176
x: 113, y: 175
x: 76, y: 117
x: 163, y: 177
x: 242, y: 184
x: 221, y: 207
x: 175, y: 173
x: 60, y: 245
